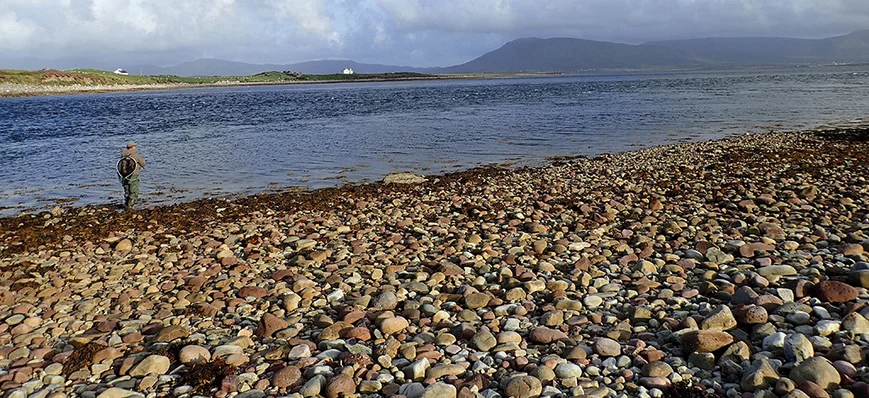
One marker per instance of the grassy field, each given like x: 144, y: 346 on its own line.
x: 92, y: 77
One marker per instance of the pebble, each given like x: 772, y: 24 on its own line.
x: 657, y: 369
x: 817, y: 370
x: 340, y: 385
x: 545, y: 335
x: 440, y: 390
x: 119, y: 393
x: 286, y: 377
x: 836, y: 292
x: 393, y: 325
x: 194, y: 354
x: 706, y: 340
x: 607, y: 347
x: 759, y: 376
x: 720, y: 319
x: 523, y: 386
x: 568, y: 370
x: 152, y: 365
x: 798, y: 348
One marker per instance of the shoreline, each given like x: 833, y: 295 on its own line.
x: 14, y: 90
x: 300, y: 198
x: 726, y: 266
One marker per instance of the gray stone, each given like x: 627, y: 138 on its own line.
x: 702, y: 360
x: 403, y: 178
x: 313, y: 386
x: 759, y: 376
x: 774, y: 341
x: 817, y: 370
x: 798, y: 348
x: 568, y: 370
x: 412, y: 390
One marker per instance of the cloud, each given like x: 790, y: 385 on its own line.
x: 411, y: 32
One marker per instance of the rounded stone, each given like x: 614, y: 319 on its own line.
x: 545, y: 335
x: 152, y: 365
x: 657, y: 369
x: 523, y: 387
x: 607, y: 347
x: 194, y: 354
x: 477, y: 300
x: 817, y: 370
x: 124, y: 245
x: 340, y: 385
x: 393, y: 325
x: 568, y: 370
x: 836, y: 292
x: 286, y: 377
x: 706, y: 340
x: 269, y: 324
x: 440, y: 390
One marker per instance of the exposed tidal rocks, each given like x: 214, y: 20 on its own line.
x: 706, y: 269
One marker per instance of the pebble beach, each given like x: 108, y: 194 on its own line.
x: 729, y: 268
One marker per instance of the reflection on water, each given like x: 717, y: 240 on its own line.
x: 221, y: 141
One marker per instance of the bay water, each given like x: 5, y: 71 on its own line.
x: 224, y: 141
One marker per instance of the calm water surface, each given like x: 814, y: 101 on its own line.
x: 223, y: 141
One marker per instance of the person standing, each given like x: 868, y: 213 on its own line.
x: 129, y: 167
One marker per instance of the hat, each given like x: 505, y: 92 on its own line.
x: 131, y: 144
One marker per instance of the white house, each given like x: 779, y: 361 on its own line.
x: 348, y: 71
x: 120, y: 71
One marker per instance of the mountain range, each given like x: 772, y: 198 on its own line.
x: 542, y: 55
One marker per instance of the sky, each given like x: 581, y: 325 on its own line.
x: 422, y: 33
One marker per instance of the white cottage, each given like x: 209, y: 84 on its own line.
x: 348, y: 71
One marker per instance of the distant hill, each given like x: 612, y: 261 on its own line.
x: 570, y: 55
x: 219, y: 67
x: 535, y: 55
x: 853, y: 47
x: 209, y: 67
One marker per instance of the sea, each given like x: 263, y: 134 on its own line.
x: 228, y: 141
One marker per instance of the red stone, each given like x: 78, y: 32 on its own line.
x: 836, y: 292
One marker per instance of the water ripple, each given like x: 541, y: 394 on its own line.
x: 200, y: 142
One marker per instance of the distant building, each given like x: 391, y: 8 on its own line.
x: 348, y: 71
x: 120, y: 71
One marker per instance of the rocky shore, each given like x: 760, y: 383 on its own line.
x: 732, y: 268
x: 30, y: 90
